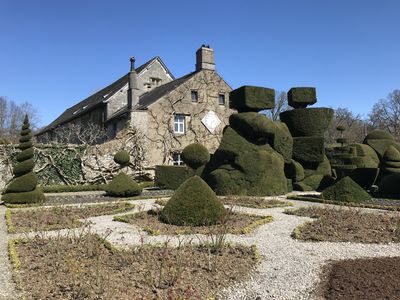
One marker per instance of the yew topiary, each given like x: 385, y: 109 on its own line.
x: 23, y: 187
x: 122, y: 157
x: 252, y: 98
x: 301, y: 97
x: 122, y: 186
x: 390, y: 185
x: 195, y: 155
x: 194, y: 203
x: 346, y: 190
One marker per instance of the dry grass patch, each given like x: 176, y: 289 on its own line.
x: 233, y: 223
x: 87, y: 268
x: 347, y: 225
x: 59, y: 217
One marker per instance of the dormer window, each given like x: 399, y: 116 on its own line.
x: 155, y: 81
x: 195, y: 96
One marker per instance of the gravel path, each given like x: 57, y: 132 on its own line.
x: 289, y: 269
x: 7, y: 288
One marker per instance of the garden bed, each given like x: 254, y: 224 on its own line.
x: 347, y: 225
x: 88, y: 268
x: 234, y: 223
x: 363, y: 279
x: 59, y: 217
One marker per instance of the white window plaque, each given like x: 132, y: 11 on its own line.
x: 211, y: 121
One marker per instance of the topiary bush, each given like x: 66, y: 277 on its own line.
x: 301, y: 97
x: 23, y: 187
x: 390, y: 185
x: 122, y: 186
x: 195, y: 155
x: 308, y: 149
x: 391, y: 161
x: 252, y: 98
x: 345, y: 190
x: 171, y: 177
x: 194, y: 203
x: 122, y: 157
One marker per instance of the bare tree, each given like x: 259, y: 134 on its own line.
x: 78, y: 133
x: 281, y: 105
x: 386, y: 114
x: 356, y: 127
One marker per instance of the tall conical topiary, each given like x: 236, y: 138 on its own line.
x: 23, y: 187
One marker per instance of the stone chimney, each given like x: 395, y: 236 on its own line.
x: 205, y: 58
x: 133, y: 89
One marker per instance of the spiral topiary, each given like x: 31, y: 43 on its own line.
x: 23, y: 187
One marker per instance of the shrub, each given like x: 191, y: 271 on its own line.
x: 122, y: 186
x: 195, y: 155
x: 341, y: 128
x: 22, y: 188
x: 171, y: 177
x: 294, y: 171
x: 346, y: 190
x: 391, y: 160
x: 194, y: 203
x: 282, y: 141
x: 301, y: 97
x: 307, y: 121
x: 365, y: 177
x: 122, y: 157
x: 379, y: 135
x: 367, y: 157
x: 308, y: 149
x: 252, y: 98
x: 390, y: 185
x: 253, y: 125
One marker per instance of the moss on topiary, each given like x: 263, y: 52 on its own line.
x: 195, y: 155
x: 390, y: 185
x: 194, y: 203
x: 22, y: 188
x: 301, y: 97
x: 122, y: 186
x: 346, y: 190
x: 252, y: 98
x: 122, y: 157
x: 307, y: 121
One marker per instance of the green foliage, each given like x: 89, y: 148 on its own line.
x: 341, y: 128
x: 195, y: 155
x: 342, y: 140
x: 171, y: 177
x: 282, y: 141
x: 25, y: 155
x: 25, y: 145
x: 24, y: 183
x: 346, y: 190
x: 379, y: 135
x: 302, y: 187
x: 301, y: 97
x: 35, y: 196
x: 318, y: 182
x: 252, y: 98
x: 253, y: 126
x: 380, y: 146
x: 367, y: 157
x: 295, y: 171
x: 365, y: 177
x: 122, y: 186
x: 390, y: 185
x: 391, y: 161
x: 24, y: 167
x: 122, y: 157
x: 194, y: 203
x: 308, y: 149
x: 307, y: 121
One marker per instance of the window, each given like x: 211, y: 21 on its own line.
x: 195, y: 96
x: 221, y: 99
x: 155, y: 81
x: 176, y: 159
x: 179, y: 124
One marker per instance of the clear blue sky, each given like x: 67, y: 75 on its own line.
x: 55, y: 53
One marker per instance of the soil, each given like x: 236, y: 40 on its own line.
x: 348, y: 225
x: 85, y: 268
x: 235, y: 224
x: 59, y: 217
x: 363, y: 279
x: 254, y: 202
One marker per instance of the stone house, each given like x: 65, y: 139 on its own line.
x: 170, y: 113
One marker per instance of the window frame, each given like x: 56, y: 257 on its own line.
x: 178, y: 161
x: 179, y: 124
x: 219, y: 99
x: 194, y: 92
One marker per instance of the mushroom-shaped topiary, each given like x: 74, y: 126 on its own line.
x: 193, y: 203
x: 22, y: 188
x: 195, y: 155
x: 122, y: 157
x: 122, y: 186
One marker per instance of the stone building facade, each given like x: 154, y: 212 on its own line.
x: 170, y: 113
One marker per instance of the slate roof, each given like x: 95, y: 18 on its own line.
x: 152, y: 96
x: 96, y: 99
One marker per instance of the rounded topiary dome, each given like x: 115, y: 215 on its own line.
x: 122, y: 186
x: 193, y: 203
x: 195, y: 155
x: 122, y: 157
x: 341, y: 128
x: 379, y: 135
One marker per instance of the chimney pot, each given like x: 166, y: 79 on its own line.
x: 132, y: 59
